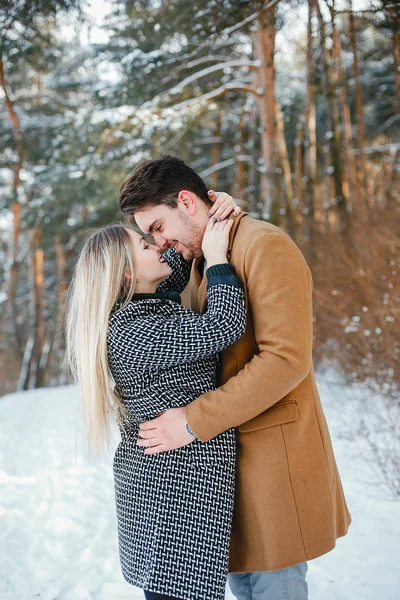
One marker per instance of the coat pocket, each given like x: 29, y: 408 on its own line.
x: 278, y: 414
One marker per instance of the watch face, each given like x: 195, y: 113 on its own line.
x: 189, y: 430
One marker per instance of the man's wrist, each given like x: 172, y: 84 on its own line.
x: 217, y: 261
x: 189, y: 430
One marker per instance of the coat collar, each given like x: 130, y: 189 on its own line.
x: 233, y: 231
x: 174, y: 296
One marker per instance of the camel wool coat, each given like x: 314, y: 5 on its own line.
x: 289, y: 505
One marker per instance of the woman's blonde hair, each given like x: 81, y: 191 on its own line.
x: 98, y: 282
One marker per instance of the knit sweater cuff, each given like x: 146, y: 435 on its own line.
x: 223, y: 274
x: 222, y: 269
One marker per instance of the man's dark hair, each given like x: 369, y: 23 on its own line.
x: 159, y: 181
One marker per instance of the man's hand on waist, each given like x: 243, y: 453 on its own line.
x: 166, y: 432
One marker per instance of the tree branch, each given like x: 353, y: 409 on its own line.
x: 229, y: 87
x: 212, y: 69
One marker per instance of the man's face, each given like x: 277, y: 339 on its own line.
x: 172, y: 228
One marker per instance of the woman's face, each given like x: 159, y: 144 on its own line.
x: 150, y: 266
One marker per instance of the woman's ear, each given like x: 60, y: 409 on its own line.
x: 188, y: 200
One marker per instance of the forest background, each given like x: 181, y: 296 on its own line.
x: 293, y: 106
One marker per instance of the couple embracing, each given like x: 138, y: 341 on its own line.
x: 225, y: 463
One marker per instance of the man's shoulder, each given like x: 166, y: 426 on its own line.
x: 249, y: 230
x: 253, y: 235
x: 253, y: 226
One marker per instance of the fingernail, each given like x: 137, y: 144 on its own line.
x: 219, y: 218
x: 214, y: 219
x: 210, y: 192
x: 209, y: 215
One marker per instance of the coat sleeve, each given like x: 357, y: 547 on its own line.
x: 180, y: 275
x: 279, y: 287
x: 161, y: 342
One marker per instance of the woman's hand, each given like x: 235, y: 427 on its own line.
x: 224, y: 206
x: 215, y: 241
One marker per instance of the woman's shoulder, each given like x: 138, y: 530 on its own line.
x: 147, y: 308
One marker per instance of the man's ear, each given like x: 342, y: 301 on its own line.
x: 188, y: 200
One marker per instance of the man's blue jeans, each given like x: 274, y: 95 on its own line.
x: 286, y: 584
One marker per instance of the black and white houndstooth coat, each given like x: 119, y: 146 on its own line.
x: 174, y: 509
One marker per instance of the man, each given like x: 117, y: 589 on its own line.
x: 289, y: 504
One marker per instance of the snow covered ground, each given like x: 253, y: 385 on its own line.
x: 58, y: 527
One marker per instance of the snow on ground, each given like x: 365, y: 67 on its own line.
x: 58, y: 526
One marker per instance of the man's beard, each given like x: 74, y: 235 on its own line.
x: 193, y: 239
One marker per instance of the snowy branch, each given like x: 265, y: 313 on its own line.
x: 229, y: 87
x: 194, y: 63
x: 249, y: 19
x: 365, y: 11
x: 382, y: 148
x: 229, y: 30
x: 229, y: 162
x: 212, y: 69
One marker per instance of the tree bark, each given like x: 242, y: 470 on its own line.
x: 57, y: 349
x: 360, y: 120
x: 31, y: 375
x: 216, y: 152
x: 239, y: 186
x: 10, y: 287
x: 355, y: 197
x: 396, y: 64
x: 287, y: 172
x: 310, y: 141
x: 254, y: 139
x: 298, y: 170
x: 335, y: 138
x: 264, y: 50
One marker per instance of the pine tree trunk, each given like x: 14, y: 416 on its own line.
x: 58, y: 345
x: 264, y: 50
x: 310, y: 139
x: 239, y: 186
x: 360, y: 120
x: 335, y: 138
x: 356, y: 199
x: 287, y: 172
x: 253, y: 188
x: 396, y: 64
x: 11, y: 276
x: 216, y: 153
x: 326, y: 189
x: 31, y: 376
x: 8, y: 291
x: 298, y: 171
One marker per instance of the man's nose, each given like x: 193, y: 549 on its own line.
x: 160, y: 241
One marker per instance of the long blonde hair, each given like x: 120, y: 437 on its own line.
x: 98, y: 282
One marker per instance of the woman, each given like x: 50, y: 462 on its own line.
x: 135, y: 352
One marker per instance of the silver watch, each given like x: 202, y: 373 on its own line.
x: 189, y: 430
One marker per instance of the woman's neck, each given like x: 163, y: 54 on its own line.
x: 147, y: 287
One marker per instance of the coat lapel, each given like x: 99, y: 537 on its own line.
x: 198, y: 284
x: 195, y: 282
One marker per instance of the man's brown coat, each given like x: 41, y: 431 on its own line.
x: 289, y: 504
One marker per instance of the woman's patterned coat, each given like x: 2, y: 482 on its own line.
x: 174, y: 509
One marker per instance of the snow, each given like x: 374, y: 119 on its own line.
x: 57, y: 510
